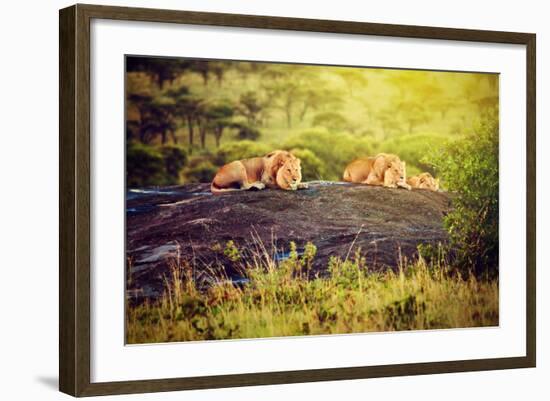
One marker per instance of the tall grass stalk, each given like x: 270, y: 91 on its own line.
x: 286, y: 298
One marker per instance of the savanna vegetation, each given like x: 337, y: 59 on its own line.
x: 186, y: 118
x: 214, y: 112
x: 283, y: 298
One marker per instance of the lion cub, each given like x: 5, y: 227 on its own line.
x: 277, y: 169
x: 424, y: 181
x: 384, y: 169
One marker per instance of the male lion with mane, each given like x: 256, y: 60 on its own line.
x: 277, y: 169
x: 384, y: 169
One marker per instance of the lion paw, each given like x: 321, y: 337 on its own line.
x: 303, y: 185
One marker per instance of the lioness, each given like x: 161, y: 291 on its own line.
x: 424, y: 181
x: 277, y: 169
x: 384, y: 169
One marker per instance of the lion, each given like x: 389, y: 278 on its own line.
x: 383, y: 169
x: 424, y: 181
x: 278, y: 169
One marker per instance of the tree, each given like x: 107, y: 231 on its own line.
x: 287, y: 86
x: 284, y: 96
x: 161, y: 70
x: 331, y: 120
x: 188, y: 106
x: 316, y: 96
x: 219, y: 117
x: 141, y: 102
x: 155, y: 118
x: 219, y: 68
x: 404, y: 81
x: 413, y: 114
x: 202, y: 67
x: 250, y: 106
x: 158, y: 120
x: 352, y: 77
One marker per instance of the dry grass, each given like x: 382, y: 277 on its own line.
x: 284, y: 299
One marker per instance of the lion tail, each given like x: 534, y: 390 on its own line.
x: 215, y: 189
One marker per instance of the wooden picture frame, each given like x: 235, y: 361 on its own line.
x: 74, y: 203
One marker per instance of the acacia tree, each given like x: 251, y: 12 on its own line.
x: 156, y: 117
x: 297, y: 90
x: 202, y: 67
x: 282, y: 85
x: 141, y: 103
x: 352, y: 77
x: 161, y: 70
x: 318, y: 97
x: 413, y: 114
x: 160, y: 120
x: 250, y: 107
x: 188, y: 107
x: 331, y: 120
x: 219, y: 118
x: 219, y: 69
x: 283, y: 95
x: 214, y: 117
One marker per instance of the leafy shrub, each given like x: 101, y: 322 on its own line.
x: 175, y: 158
x: 151, y: 166
x: 335, y: 150
x: 312, y: 167
x: 144, y: 166
x: 240, y: 150
x: 246, y: 132
x: 200, y: 169
x: 469, y: 167
x: 413, y: 149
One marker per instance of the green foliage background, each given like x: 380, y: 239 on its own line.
x: 213, y: 112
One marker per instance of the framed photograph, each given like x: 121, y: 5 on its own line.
x: 250, y: 200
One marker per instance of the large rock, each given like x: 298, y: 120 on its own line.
x: 190, y: 223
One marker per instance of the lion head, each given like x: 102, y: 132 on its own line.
x: 394, y: 170
x: 286, y: 170
x: 424, y: 181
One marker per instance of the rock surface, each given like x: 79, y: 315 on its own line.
x: 190, y: 223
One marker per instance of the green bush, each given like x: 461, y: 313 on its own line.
x: 144, y: 166
x: 151, y: 166
x: 175, y: 158
x: 246, y: 132
x: 413, y: 149
x: 232, y: 151
x: 312, y: 167
x: 469, y: 167
x: 334, y: 150
x: 200, y: 169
